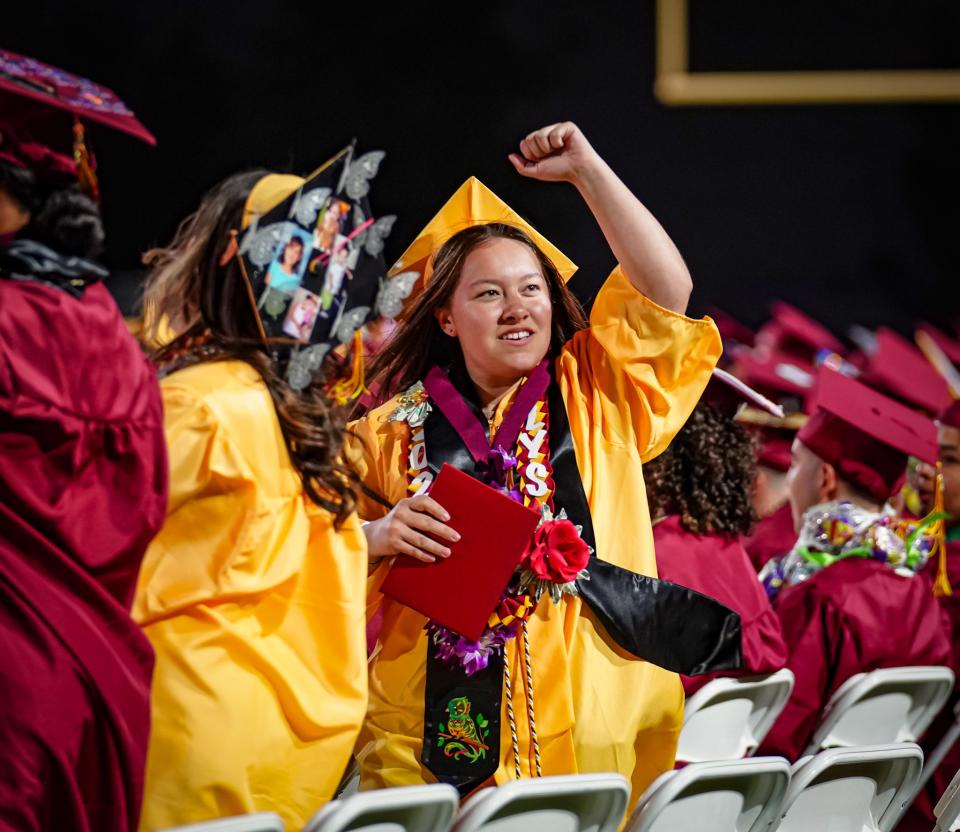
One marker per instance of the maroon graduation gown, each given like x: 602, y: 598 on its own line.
x: 83, y: 474
x: 852, y: 617
x: 920, y: 815
x: 774, y: 536
x: 717, y: 566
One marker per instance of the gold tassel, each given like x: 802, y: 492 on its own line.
x: 84, y: 162
x: 941, y: 584
x: 353, y: 387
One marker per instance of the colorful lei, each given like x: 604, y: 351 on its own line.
x: 556, y: 556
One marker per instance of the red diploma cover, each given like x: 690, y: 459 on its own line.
x: 462, y: 590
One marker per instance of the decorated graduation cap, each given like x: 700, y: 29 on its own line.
x: 795, y: 333
x: 899, y: 369
x: 865, y: 435
x: 312, y: 254
x: 38, y: 105
x: 473, y: 203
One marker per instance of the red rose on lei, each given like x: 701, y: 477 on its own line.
x: 556, y: 552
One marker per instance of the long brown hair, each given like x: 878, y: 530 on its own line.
x: 207, y: 301
x: 419, y: 342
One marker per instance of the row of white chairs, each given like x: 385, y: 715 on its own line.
x: 724, y: 721
x: 857, y: 789
x: 728, y: 718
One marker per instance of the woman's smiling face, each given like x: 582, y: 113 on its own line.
x: 501, y: 312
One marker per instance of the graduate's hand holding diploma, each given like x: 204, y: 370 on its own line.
x: 405, y: 530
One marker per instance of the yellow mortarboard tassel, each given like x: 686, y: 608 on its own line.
x: 472, y: 204
x: 941, y: 584
x: 351, y: 388
x: 86, y: 175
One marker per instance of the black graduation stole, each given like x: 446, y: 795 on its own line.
x: 657, y: 621
x: 29, y: 261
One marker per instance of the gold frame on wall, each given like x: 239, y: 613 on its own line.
x: 676, y: 86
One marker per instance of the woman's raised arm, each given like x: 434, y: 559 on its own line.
x: 647, y: 255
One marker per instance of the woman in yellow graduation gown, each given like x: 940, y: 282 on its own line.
x: 252, y: 594
x: 576, y: 695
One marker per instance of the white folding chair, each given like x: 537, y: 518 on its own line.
x: 935, y: 755
x: 858, y: 789
x: 728, y: 718
x: 566, y: 803
x: 427, y: 808
x: 726, y: 796
x: 895, y: 704
x: 255, y: 822
x: 947, y: 810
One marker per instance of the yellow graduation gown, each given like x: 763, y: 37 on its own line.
x: 255, y: 608
x: 629, y: 383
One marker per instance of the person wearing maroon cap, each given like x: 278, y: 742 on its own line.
x: 920, y: 816
x: 899, y: 370
x: 699, y: 494
x: 794, y: 333
x: 83, y: 484
x: 847, y: 595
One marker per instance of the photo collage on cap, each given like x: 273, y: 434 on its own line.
x: 315, y: 261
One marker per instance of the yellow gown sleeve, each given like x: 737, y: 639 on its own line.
x: 375, y: 447
x: 641, y: 367
x: 254, y: 604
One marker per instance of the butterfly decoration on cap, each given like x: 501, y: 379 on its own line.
x: 314, y: 264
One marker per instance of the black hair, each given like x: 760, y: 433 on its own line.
x: 61, y: 217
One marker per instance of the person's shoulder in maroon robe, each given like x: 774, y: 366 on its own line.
x: 716, y: 565
x: 83, y: 473
x: 919, y: 817
x: 852, y: 617
x: 773, y: 536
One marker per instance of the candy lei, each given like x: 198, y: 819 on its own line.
x: 838, y: 530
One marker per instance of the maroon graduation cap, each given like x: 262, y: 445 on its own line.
x: 900, y: 370
x: 38, y: 102
x: 785, y: 379
x: 30, y: 88
x: 732, y: 332
x: 950, y: 415
x: 866, y: 435
x: 795, y: 333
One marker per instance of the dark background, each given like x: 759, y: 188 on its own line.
x: 849, y: 211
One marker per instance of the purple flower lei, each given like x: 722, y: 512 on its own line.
x: 455, y: 650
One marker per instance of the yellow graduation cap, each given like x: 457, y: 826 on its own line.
x: 472, y: 204
x: 268, y: 193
